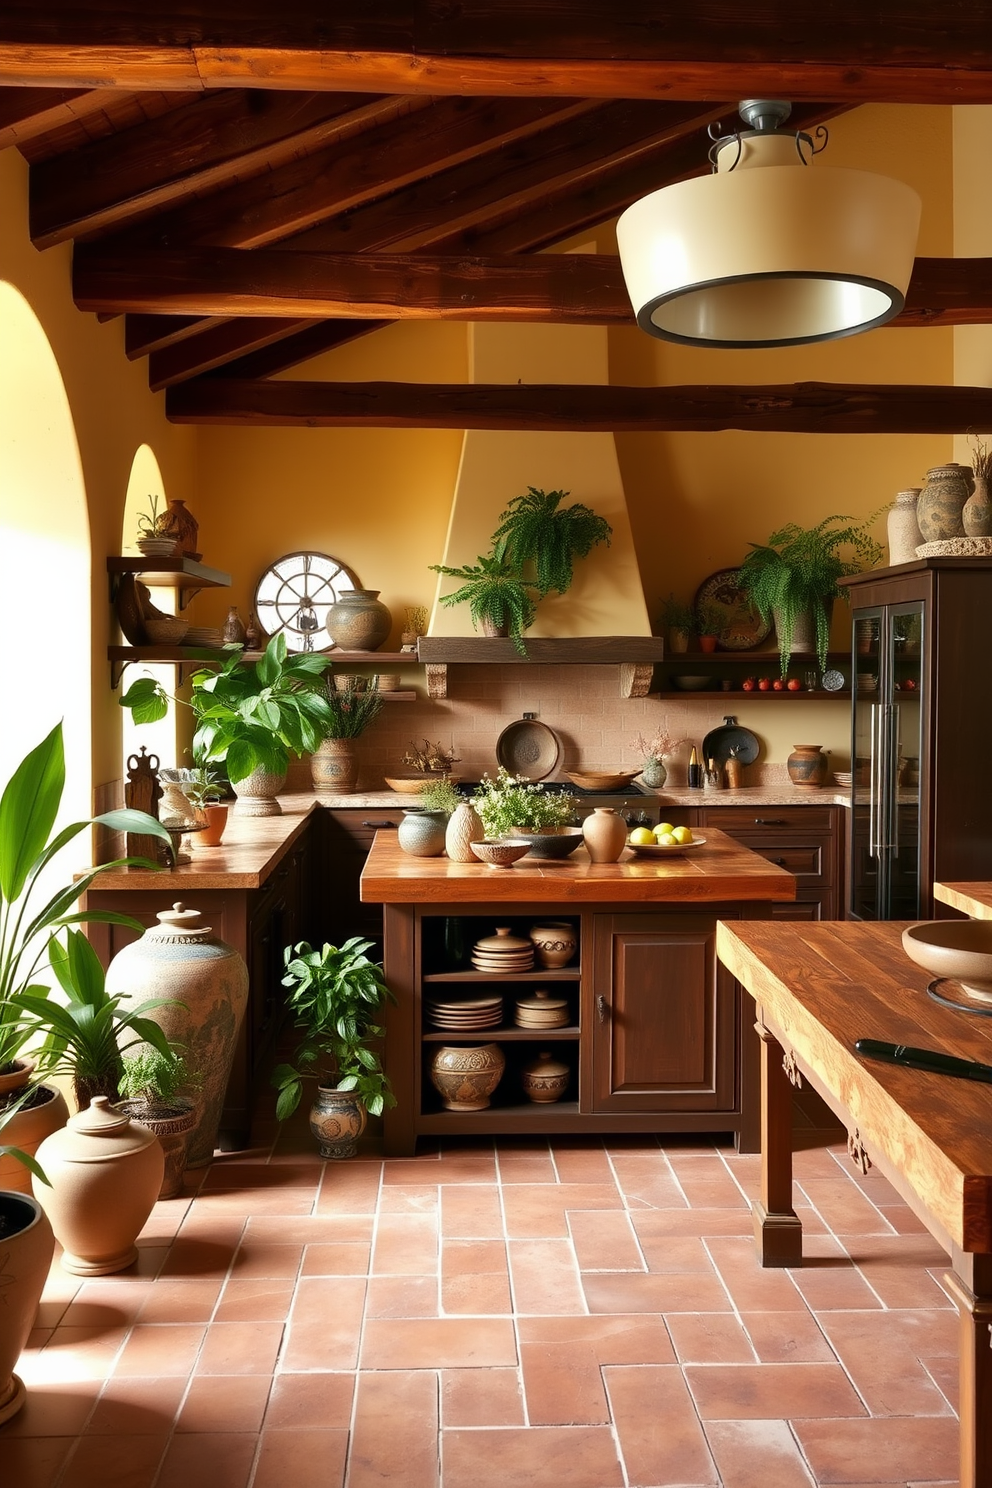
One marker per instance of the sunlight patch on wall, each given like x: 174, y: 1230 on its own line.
x: 159, y: 738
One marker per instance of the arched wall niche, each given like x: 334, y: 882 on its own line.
x: 159, y: 739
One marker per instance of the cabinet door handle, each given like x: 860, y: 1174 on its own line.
x: 601, y: 1008
x: 769, y: 821
x: 379, y: 824
x: 779, y: 861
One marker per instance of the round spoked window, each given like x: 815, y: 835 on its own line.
x: 294, y: 595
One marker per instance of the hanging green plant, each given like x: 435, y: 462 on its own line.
x: 536, y: 529
x: 497, y: 595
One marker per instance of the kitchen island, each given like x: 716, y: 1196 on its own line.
x: 656, y: 1040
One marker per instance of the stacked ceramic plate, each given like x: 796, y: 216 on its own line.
x: 466, y: 1016
x: 203, y: 635
x: 542, y: 1011
x: 503, y: 954
x: 842, y: 777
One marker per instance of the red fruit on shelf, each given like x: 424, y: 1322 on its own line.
x: 765, y: 684
x: 778, y: 685
x: 749, y: 684
x: 794, y: 684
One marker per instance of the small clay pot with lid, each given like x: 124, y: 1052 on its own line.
x: 105, y: 1172
x: 555, y: 942
x: 545, y: 1080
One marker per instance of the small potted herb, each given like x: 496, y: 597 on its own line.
x: 501, y: 601
x: 509, y: 801
x: 334, y: 763
x: 709, y: 625
x: 679, y: 620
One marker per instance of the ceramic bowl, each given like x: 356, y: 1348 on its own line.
x: 499, y: 854
x: 665, y: 849
x: 549, y: 844
x: 961, y: 949
x: 691, y: 683
x: 601, y: 779
x: 412, y: 785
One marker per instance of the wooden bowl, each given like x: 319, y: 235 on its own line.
x: 412, y: 785
x: 601, y: 779
x: 499, y: 854
x: 960, y: 949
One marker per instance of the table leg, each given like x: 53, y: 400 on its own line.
x: 778, y: 1230
x: 970, y: 1284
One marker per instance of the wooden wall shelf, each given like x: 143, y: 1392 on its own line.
x: 634, y: 655
x: 181, y: 574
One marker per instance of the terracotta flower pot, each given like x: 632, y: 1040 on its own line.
x: 215, y: 816
x: 27, y: 1129
x: 26, y: 1246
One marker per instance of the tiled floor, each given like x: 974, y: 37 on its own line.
x: 579, y: 1316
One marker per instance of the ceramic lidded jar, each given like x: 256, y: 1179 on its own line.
x: 358, y: 620
x: 181, y: 958
x: 941, y: 502
x: 421, y: 833
x: 555, y: 943
x: 105, y: 1172
x: 807, y: 765
x: 545, y: 1079
x: 464, y: 827
x: 903, y: 529
x: 605, y: 834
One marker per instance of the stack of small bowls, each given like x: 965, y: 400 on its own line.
x: 542, y: 1011
x: 503, y: 953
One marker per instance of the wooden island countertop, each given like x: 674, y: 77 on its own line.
x: 974, y: 899
x: 719, y: 871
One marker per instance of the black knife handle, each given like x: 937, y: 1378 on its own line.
x: 925, y: 1059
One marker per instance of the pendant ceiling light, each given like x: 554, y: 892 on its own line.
x: 769, y: 250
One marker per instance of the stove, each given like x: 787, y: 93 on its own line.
x: 638, y: 807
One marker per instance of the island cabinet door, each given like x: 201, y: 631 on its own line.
x: 662, y: 1014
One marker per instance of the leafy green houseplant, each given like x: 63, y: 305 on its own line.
x: 157, y: 1091
x: 796, y: 572
x: 440, y: 795
x: 535, y: 530
x: 508, y: 801
x: 335, y: 995
x: 500, y: 600
x: 679, y: 620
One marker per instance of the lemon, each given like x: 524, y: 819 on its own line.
x: 666, y: 840
x: 663, y: 829
x: 641, y: 837
x: 682, y: 835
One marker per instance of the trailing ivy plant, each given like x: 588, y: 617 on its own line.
x: 496, y: 593
x: 536, y: 529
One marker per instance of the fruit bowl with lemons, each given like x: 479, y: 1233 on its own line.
x: 662, y: 840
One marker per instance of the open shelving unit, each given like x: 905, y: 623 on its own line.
x: 735, y: 666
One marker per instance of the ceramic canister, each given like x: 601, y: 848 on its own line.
x: 466, y: 1077
x: 807, y: 765
x: 104, y: 1172
x: 545, y: 1080
x: 358, y: 620
x: 421, y: 833
x: 181, y: 958
x: 941, y: 502
x: 464, y: 827
x: 605, y: 834
x: 903, y: 528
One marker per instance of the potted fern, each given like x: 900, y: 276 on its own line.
x: 792, y: 579
x: 537, y: 531
x: 500, y: 600
x: 155, y: 1088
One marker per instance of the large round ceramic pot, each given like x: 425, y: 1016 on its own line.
x: 421, y: 833
x: 358, y: 620
x: 464, y: 827
x: 605, y: 834
x: 334, y: 767
x: 172, y: 1122
x: 180, y: 524
x: 45, y: 1112
x: 257, y: 794
x: 181, y: 958
x: 26, y: 1246
x: 105, y: 1173
x: 465, y: 1077
x: 337, y: 1120
x: 807, y: 765
x: 941, y: 502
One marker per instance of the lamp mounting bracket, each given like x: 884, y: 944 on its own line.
x: 764, y: 116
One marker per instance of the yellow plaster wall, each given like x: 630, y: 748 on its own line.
x: 972, y: 134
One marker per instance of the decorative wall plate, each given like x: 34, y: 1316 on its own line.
x: 294, y: 595
x: 832, y: 681
x: 743, y: 628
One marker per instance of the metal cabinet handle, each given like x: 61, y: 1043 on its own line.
x: 769, y: 821
x: 601, y: 1008
x: 779, y: 861
x: 379, y: 824
x: 873, y: 781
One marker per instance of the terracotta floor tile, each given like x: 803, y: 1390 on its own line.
x: 51, y: 1410
x: 405, y: 1244
x: 408, y: 1198
x: 685, y: 1222
x: 944, y: 1373
x: 250, y: 1301
x: 255, y: 1178
x: 481, y: 1397
x: 763, y: 1392
x: 604, y: 1241
x: 625, y: 1291
x: 582, y: 1164
x: 534, y: 1212
x: 349, y: 1188
x: 471, y: 1211
x: 756, y: 1454
x: 706, y: 1182
x: 34, y: 1461
x: 525, y: 1164
x: 193, y: 1256
x: 463, y: 1162
x: 545, y: 1278
x: 844, y: 1207
x: 660, y: 1437
x: 405, y: 1455
x: 321, y: 1401
x: 257, y: 1258
x: 895, y: 1266
x: 881, y: 1352
x: 232, y: 1203
x: 437, y: 1343
x: 302, y: 1456
x: 563, y: 1387
x: 486, y: 1294
x: 108, y: 1302
x: 542, y: 1457
x: 311, y: 1229
x: 325, y: 1324
x: 709, y: 1338
x: 787, y: 1337
x: 124, y: 1461
x: 225, y: 1402
x: 753, y: 1287
x: 240, y: 1348
x: 831, y: 1286
x: 160, y: 1348
x: 178, y: 1300
x: 151, y: 1260
x: 336, y: 1259
x: 137, y: 1407
x: 631, y: 1339
x: 679, y: 1255
x: 899, y: 1450
x: 402, y: 1296
x: 404, y: 1171
x: 74, y: 1354
x: 215, y: 1460
x: 646, y: 1180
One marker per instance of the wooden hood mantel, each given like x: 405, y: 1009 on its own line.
x: 634, y: 655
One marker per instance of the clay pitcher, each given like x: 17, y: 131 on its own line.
x: 605, y: 834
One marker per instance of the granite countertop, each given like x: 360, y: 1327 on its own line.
x: 783, y: 794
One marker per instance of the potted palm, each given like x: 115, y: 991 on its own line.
x: 500, y: 600
x: 792, y: 579
x: 334, y: 763
x: 335, y: 995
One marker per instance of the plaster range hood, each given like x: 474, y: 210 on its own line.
x: 603, y: 618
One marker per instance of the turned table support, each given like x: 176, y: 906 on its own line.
x: 777, y: 1229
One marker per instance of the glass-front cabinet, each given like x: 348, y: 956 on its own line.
x: 921, y: 731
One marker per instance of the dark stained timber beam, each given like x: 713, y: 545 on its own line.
x: 805, y: 408
x: 899, y: 51
x: 562, y: 288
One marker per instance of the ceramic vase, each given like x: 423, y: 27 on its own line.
x: 941, y: 502
x: 334, y: 767
x: 181, y: 525
x: 182, y: 959
x: 235, y: 633
x: 605, y: 834
x: 26, y: 1247
x: 555, y: 943
x: 358, y: 620
x: 807, y: 765
x: 256, y: 794
x: 421, y: 833
x: 654, y: 772
x: 545, y: 1079
x: 27, y: 1129
x: 976, y: 515
x: 466, y: 1077
x: 172, y: 1123
x: 903, y: 529
x: 215, y: 816
x: 337, y: 1120
x: 464, y: 827
x: 105, y: 1173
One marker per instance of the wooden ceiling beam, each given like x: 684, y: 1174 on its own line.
x: 219, y: 344
x: 212, y: 142
x: 557, y: 288
x: 899, y: 51
x: 803, y: 408
x: 28, y: 113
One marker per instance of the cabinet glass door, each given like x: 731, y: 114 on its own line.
x: 866, y: 888
x: 904, y: 682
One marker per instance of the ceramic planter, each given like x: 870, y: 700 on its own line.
x: 358, y: 620
x: 172, y: 1123
x: 337, y: 1120
x: 27, y: 1129
x: 257, y: 794
x: 26, y: 1247
x: 421, y: 833
x: 334, y: 767
x: 215, y: 816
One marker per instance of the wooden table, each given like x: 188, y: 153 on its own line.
x: 817, y: 989
x: 974, y: 899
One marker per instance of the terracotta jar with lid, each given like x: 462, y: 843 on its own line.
x: 545, y: 1079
